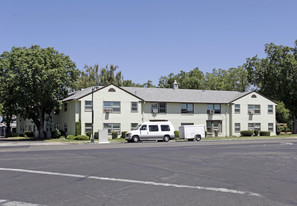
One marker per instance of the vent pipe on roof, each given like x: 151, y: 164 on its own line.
x: 175, y: 85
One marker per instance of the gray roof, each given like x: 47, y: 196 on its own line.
x: 80, y: 93
x: 171, y: 95
x: 184, y: 95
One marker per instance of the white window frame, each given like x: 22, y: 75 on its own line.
x: 88, y: 107
x: 237, y: 127
x: 185, y: 108
x: 254, y: 109
x: 270, y: 109
x: 254, y: 126
x: 134, y: 107
x: 112, y: 127
x: 270, y: 127
x: 237, y: 109
x: 88, y: 127
x: 111, y: 106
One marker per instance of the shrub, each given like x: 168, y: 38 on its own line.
x: 62, y: 133
x: 123, y: 134
x: 114, y: 135
x: 256, y: 132
x: 62, y: 137
x: 89, y: 134
x: 78, y: 128
x: 264, y: 133
x: 56, y: 134
x: 81, y: 137
x: 246, y: 133
x: 176, y: 134
x: 29, y: 134
x: 96, y: 135
x: 70, y: 137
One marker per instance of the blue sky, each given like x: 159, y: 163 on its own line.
x: 148, y: 39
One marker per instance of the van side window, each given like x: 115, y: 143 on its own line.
x: 153, y: 128
x: 143, y: 127
x: 165, y: 128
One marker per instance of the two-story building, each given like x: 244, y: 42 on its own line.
x: 224, y: 113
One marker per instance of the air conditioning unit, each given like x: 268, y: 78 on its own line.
x: 155, y: 111
x: 210, y: 111
x: 251, y: 112
x: 107, y: 110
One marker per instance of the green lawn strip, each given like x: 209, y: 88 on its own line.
x: 121, y: 140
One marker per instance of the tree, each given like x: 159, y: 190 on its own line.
x: 92, y: 76
x: 276, y: 75
x: 40, y: 78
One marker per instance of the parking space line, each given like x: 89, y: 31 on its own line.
x: 225, y: 190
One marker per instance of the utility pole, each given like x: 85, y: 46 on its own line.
x: 92, y: 135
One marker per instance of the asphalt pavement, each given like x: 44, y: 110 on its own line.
x: 150, y: 173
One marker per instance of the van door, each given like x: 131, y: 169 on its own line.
x: 154, y: 133
x: 143, y: 132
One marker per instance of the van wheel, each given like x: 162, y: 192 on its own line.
x: 166, y: 138
x: 135, y: 139
x: 198, y: 137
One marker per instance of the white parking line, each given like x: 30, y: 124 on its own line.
x: 16, y: 203
x: 134, y: 181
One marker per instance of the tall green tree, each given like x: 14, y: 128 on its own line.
x: 276, y: 75
x: 41, y: 77
x: 92, y: 76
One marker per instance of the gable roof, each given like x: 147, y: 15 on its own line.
x: 184, y: 95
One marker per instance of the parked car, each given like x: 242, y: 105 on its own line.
x: 155, y: 130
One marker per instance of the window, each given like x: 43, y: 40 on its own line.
x: 134, y: 107
x: 270, y: 109
x: 254, y: 109
x: 213, y: 126
x: 165, y: 128
x: 187, y: 108
x: 270, y: 127
x: 254, y: 126
x: 187, y: 123
x: 237, y: 127
x: 112, y: 107
x: 213, y: 109
x: 29, y: 128
x: 88, y: 106
x: 237, y: 108
x: 65, y: 107
x: 143, y: 127
x: 111, y: 90
x: 88, y: 127
x: 254, y: 96
x: 65, y: 127
x: 162, y: 107
x: 153, y: 128
x: 134, y: 126
x: 112, y: 127
x: 159, y: 107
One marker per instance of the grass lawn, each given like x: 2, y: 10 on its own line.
x: 121, y: 140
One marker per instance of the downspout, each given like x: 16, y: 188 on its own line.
x: 227, y: 120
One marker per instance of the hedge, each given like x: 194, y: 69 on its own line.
x: 29, y: 134
x: 114, y: 135
x: 176, y: 134
x: 264, y: 133
x: 81, y: 137
x: 246, y: 133
x: 123, y: 134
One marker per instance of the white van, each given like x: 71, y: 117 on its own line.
x: 154, y: 130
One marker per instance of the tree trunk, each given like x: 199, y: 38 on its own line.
x: 294, y: 124
x: 40, y: 125
x: 8, y: 132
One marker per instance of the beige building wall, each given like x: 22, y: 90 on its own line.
x: 244, y: 118
x: 113, y: 94
x: 199, y: 117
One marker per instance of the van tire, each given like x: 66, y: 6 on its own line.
x: 198, y: 137
x: 166, y: 138
x: 135, y: 139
